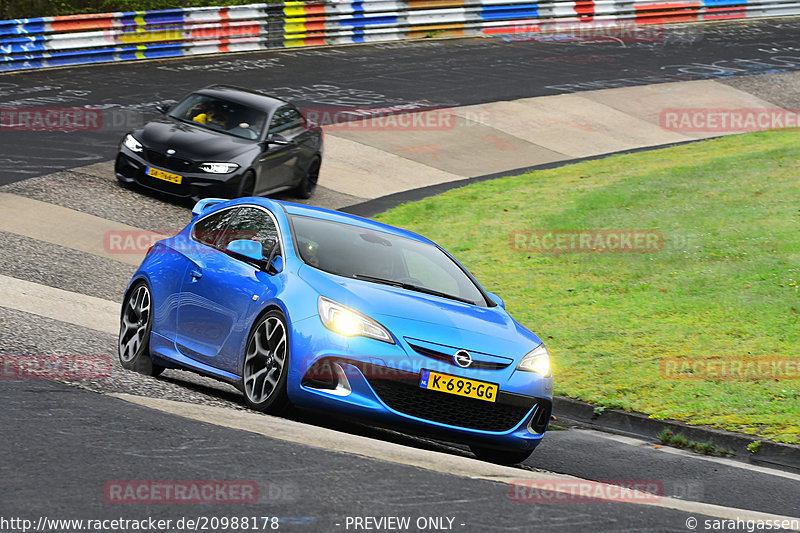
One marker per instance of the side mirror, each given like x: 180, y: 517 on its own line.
x: 274, y: 263
x: 276, y: 266
x: 162, y: 108
x: 246, y: 249
x: 499, y: 301
x: 277, y: 138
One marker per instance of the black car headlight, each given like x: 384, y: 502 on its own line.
x: 218, y: 168
x: 537, y: 360
x: 132, y: 144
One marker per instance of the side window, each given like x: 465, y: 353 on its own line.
x: 210, y: 229
x: 295, y: 119
x: 251, y: 224
x: 286, y: 121
x: 280, y: 121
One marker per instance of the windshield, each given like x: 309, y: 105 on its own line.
x: 220, y: 115
x: 380, y: 257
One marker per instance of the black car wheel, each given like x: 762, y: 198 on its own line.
x: 503, y: 457
x: 266, y: 364
x: 134, y: 332
x: 247, y: 185
x: 309, y: 181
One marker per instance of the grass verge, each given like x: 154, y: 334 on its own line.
x: 722, y: 289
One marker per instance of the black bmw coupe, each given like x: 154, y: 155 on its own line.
x: 226, y: 142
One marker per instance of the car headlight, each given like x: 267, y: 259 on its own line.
x: 349, y: 323
x: 218, y: 168
x: 132, y: 144
x: 537, y: 360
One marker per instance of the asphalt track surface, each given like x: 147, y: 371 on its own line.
x: 62, y: 444
x: 307, y: 489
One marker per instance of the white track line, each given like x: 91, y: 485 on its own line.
x: 58, y: 304
x: 65, y: 227
x: 683, y: 453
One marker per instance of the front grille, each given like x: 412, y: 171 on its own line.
x: 170, y: 163
x: 405, y: 395
x: 448, y: 358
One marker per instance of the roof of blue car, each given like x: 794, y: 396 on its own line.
x: 314, y: 212
x: 338, y: 216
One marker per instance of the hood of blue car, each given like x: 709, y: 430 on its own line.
x: 409, y: 314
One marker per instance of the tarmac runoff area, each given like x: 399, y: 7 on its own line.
x: 377, y: 157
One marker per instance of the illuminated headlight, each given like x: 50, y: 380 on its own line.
x: 349, y: 323
x: 218, y: 168
x: 537, y: 360
x: 132, y: 144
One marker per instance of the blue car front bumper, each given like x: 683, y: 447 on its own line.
x: 368, y: 379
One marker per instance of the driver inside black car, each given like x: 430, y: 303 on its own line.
x: 214, y: 115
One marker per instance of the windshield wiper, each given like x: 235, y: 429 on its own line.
x: 437, y: 293
x: 382, y: 281
x: 412, y: 287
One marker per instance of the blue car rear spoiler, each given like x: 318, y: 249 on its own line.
x: 204, y: 204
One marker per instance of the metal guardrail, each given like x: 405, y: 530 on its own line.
x: 82, y: 39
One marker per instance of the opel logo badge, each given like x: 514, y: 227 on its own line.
x: 170, y: 152
x: 462, y: 358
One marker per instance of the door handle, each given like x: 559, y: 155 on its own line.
x: 196, y: 274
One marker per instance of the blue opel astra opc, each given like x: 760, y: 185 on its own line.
x: 300, y: 305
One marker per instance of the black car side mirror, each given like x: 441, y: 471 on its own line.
x: 162, y: 108
x: 277, y: 138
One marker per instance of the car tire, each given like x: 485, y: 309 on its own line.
x: 266, y: 364
x: 502, y: 457
x: 136, y: 323
x: 309, y: 182
x: 247, y: 185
